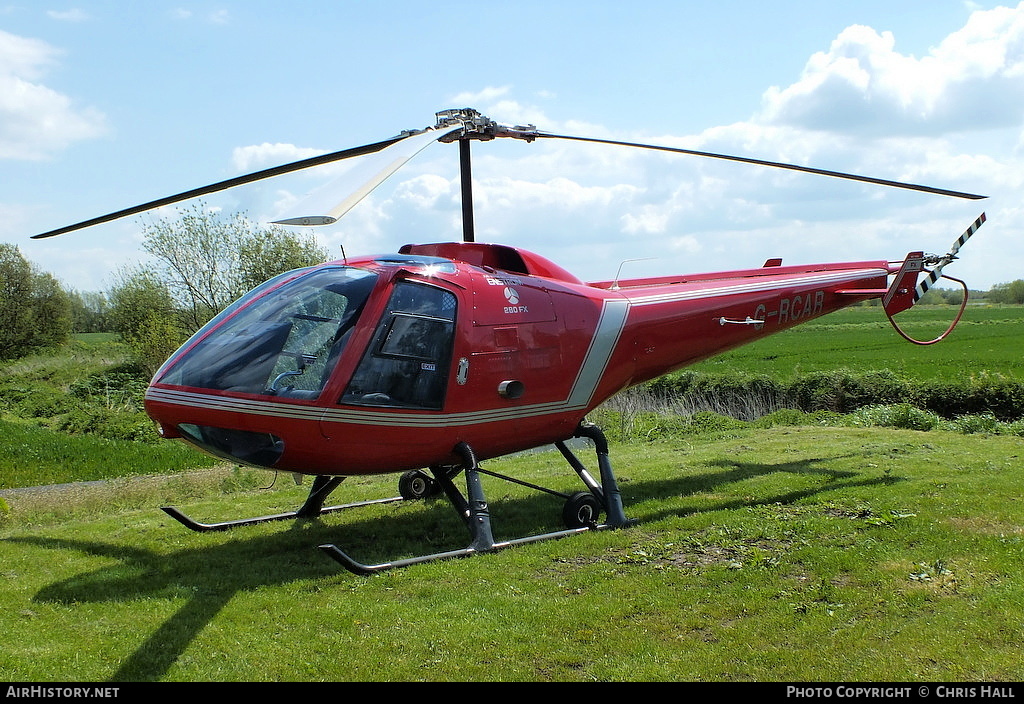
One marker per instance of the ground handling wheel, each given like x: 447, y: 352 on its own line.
x: 417, y: 484
x: 581, y: 510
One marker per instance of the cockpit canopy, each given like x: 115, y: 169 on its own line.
x: 285, y: 343
x: 285, y: 340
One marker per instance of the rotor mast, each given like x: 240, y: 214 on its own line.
x: 466, y: 179
x: 474, y: 126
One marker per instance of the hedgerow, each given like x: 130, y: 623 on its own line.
x: 840, y: 391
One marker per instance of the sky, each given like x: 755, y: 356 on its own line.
x: 107, y: 104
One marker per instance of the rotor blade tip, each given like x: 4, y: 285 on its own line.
x: 307, y: 221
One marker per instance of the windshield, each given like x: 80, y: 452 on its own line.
x: 282, y: 343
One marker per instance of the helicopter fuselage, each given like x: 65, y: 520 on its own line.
x: 385, y: 364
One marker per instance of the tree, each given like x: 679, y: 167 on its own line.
x: 51, y: 310
x: 142, y: 311
x: 1012, y: 292
x: 208, y: 259
x: 942, y: 296
x: 90, y: 311
x: 35, y: 311
x: 15, y: 291
x: 267, y: 253
x: 202, y: 261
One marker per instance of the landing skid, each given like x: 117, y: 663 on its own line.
x: 580, y: 513
x: 361, y: 569
x: 192, y: 524
x: 322, y: 487
x: 582, y: 508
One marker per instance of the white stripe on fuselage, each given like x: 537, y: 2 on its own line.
x: 752, y: 287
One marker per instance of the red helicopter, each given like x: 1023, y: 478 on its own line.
x: 428, y: 361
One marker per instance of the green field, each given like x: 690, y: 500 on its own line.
x: 988, y: 343
x: 773, y: 555
x: 76, y: 415
x: 34, y: 456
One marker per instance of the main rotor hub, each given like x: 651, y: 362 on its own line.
x: 477, y: 126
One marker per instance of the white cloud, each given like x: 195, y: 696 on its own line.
x: 426, y: 191
x: 72, y: 15
x: 973, y: 79
x: 37, y: 121
x: 486, y: 96
x: 21, y: 56
x: 222, y: 16
x: 262, y: 156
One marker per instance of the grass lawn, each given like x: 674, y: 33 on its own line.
x: 774, y: 555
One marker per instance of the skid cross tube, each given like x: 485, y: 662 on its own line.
x: 520, y: 482
x: 473, y: 509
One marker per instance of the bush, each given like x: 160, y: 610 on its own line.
x: 741, y: 396
x: 1003, y: 399
x: 706, y: 421
x: 156, y: 340
x: 900, y: 415
x: 749, y: 397
x: 106, y: 423
x: 143, y: 313
x: 843, y: 391
x: 1015, y: 428
x: 42, y: 403
x: 984, y: 423
x: 112, y: 390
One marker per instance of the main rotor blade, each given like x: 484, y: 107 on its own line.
x: 229, y: 183
x: 776, y: 164
x: 327, y: 204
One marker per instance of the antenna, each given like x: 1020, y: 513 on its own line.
x: 615, y: 282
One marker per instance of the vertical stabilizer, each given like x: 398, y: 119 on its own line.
x: 902, y: 292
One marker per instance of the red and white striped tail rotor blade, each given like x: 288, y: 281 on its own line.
x: 936, y: 273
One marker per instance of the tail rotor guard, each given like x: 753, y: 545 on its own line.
x: 905, y: 290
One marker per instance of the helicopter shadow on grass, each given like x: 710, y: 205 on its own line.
x: 732, y: 472
x: 212, y: 572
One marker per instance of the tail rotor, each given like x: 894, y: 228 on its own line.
x: 937, y: 263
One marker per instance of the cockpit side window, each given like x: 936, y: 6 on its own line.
x: 406, y: 364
